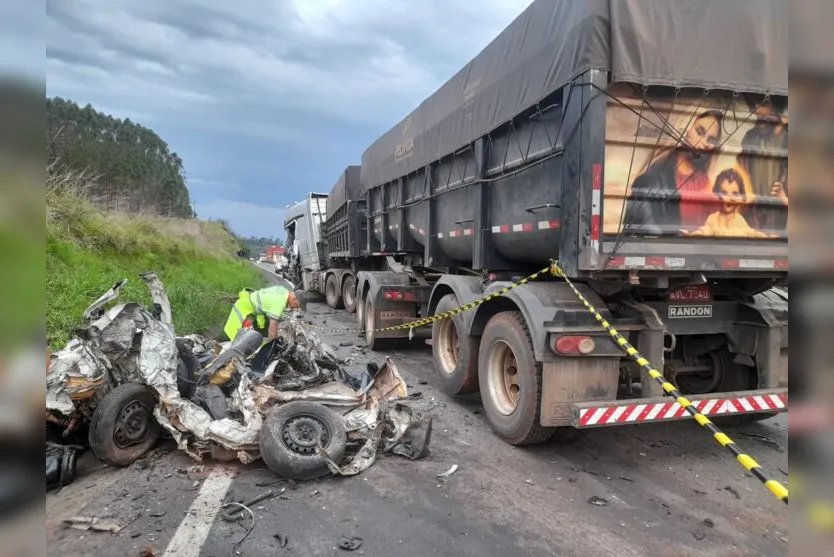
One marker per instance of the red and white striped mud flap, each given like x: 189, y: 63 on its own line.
x: 637, y: 411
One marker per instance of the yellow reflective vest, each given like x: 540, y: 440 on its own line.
x: 261, y: 304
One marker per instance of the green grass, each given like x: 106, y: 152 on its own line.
x: 87, y: 250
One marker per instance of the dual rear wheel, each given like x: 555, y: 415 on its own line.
x: 340, y: 293
x: 502, y: 366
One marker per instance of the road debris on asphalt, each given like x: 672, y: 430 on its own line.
x: 350, y: 543
x: 92, y: 523
x: 452, y: 469
x: 597, y: 501
x: 227, y: 400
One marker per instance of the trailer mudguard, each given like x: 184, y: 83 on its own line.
x: 547, y: 307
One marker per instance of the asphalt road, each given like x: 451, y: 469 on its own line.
x: 667, y: 489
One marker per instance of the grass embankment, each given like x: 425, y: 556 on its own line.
x: 88, y: 249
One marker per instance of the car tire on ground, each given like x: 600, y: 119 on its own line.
x: 349, y: 293
x: 332, y: 292
x: 290, y: 435
x: 123, y: 427
x: 511, y: 380
x: 454, y: 352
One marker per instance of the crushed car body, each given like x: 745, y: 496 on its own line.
x: 291, y: 397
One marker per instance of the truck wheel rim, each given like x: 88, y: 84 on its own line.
x: 348, y: 295
x: 502, y: 377
x: 448, y: 346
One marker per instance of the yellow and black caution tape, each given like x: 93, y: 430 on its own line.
x: 452, y: 312
x: 779, y: 490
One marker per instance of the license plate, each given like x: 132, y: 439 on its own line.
x: 690, y: 295
x: 691, y: 311
x: 395, y: 314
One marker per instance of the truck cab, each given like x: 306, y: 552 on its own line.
x: 303, y: 224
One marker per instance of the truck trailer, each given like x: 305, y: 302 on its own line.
x: 643, y: 145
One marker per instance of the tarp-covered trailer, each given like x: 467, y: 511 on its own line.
x: 643, y: 144
x: 345, y: 234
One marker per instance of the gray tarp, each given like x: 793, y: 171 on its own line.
x: 348, y: 188
x: 716, y: 44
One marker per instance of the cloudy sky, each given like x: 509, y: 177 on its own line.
x: 264, y: 100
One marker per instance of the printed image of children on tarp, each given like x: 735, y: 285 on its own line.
x: 716, y: 168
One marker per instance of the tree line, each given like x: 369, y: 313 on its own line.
x: 257, y: 246
x: 134, y: 168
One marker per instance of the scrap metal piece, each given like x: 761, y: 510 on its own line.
x: 92, y: 523
x: 360, y: 462
x: 159, y: 297
x: 94, y: 311
x: 452, y: 469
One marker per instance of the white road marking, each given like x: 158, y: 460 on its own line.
x: 189, y: 538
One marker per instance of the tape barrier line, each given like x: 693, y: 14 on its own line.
x: 446, y: 314
x: 775, y: 487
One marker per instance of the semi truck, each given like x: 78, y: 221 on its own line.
x: 643, y: 146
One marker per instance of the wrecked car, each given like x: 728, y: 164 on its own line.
x: 126, y: 377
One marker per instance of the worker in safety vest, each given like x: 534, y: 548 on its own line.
x: 254, y: 307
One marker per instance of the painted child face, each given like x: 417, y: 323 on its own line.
x: 731, y: 196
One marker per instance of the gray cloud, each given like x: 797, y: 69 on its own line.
x: 269, y: 84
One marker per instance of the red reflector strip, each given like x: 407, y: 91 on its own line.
x: 659, y: 411
x: 595, y: 227
x: 522, y: 227
x: 547, y: 224
x: 596, y: 183
x: 618, y: 261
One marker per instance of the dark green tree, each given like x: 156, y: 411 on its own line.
x: 135, y: 166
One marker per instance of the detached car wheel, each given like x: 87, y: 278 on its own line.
x: 290, y: 435
x: 123, y: 427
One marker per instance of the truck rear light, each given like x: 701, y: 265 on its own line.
x: 398, y: 296
x: 574, y: 345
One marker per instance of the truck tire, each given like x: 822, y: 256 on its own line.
x: 454, y: 352
x: 511, y: 381
x: 290, y: 435
x: 737, y: 377
x: 349, y: 293
x: 123, y: 427
x: 374, y: 343
x: 360, y: 312
x: 332, y: 292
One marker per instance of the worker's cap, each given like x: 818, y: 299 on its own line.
x: 302, y: 298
